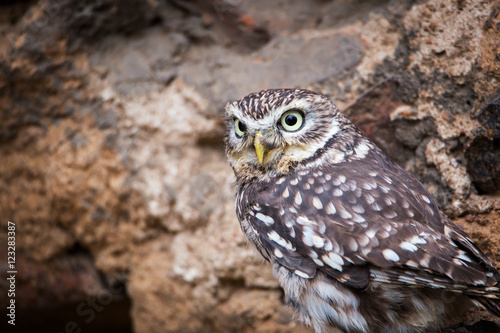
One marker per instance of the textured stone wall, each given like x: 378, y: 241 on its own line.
x: 111, y: 156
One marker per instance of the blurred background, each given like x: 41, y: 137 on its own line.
x: 111, y: 143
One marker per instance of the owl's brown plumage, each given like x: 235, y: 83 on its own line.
x: 356, y: 242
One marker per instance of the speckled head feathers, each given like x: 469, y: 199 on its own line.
x: 257, y: 105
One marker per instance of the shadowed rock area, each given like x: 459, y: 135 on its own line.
x: 111, y: 144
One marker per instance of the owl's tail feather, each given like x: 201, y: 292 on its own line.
x: 492, y: 293
x: 488, y: 297
x: 492, y: 305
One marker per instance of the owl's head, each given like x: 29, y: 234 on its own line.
x: 276, y: 130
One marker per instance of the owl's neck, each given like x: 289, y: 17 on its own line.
x: 248, y: 173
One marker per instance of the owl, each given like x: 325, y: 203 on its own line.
x: 355, y: 241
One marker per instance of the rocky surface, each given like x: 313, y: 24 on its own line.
x: 112, y: 165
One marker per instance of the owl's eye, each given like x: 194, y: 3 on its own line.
x: 240, y: 128
x: 292, y: 120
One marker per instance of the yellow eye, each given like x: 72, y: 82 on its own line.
x: 239, y: 128
x: 292, y: 121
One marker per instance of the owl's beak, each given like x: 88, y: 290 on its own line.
x: 260, y: 148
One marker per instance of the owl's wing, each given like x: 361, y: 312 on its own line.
x: 362, y: 221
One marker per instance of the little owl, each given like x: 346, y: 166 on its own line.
x: 356, y: 242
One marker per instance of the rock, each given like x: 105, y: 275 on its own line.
x: 479, y: 327
x: 386, y: 120
x: 483, y: 152
x: 483, y: 164
x: 489, y: 116
x: 223, y: 76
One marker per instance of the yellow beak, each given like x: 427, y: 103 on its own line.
x: 260, y: 148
